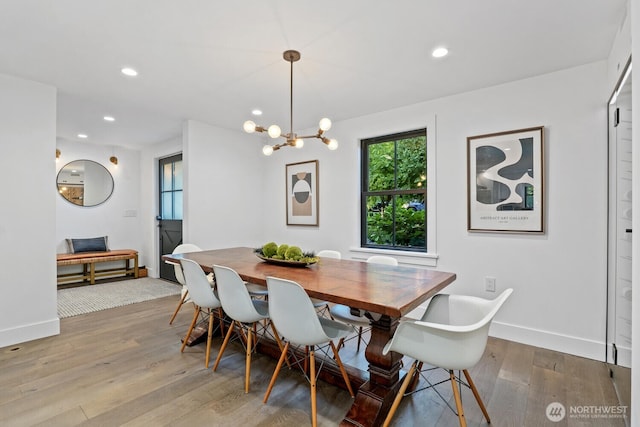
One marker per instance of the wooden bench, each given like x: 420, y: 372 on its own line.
x: 88, y: 260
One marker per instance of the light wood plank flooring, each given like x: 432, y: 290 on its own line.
x: 123, y: 367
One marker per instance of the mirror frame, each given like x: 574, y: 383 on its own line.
x: 60, y: 185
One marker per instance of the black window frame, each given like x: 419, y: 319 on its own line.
x: 364, y: 173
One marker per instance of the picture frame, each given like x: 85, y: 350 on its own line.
x: 302, y: 193
x: 505, y: 179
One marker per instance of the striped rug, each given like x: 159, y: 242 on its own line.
x: 89, y: 298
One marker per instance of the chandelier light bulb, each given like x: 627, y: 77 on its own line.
x: 249, y: 126
x: 299, y: 143
x: 333, y: 144
x: 267, y: 150
x: 274, y: 131
x: 325, y: 124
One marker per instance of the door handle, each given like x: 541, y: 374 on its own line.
x: 629, y: 230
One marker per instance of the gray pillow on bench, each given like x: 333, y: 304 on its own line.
x: 94, y: 244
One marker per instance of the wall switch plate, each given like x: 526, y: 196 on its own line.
x: 490, y: 284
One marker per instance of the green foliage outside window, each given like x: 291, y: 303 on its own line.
x: 394, y: 191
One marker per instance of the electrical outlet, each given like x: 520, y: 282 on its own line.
x: 490, y: 284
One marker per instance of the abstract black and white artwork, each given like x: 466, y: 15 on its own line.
x: 302, y: 193
x: 505, y: 181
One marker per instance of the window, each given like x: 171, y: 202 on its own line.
x: 171, y: 188
x: 394, y: 191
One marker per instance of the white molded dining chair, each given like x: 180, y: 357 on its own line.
x: 382, y: 259
x: 181, y: 249
x: 245, y: 312
x: 203, y: 298
x: 328, y: 253
x: 452, y: 334
x: 350, y: 316
x: 296, y: 318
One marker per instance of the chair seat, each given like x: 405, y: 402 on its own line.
x: 318, y: 302
x: 262, y: 307
x: 343, y: 314
x: 334, y: 330
x: 256, y: 290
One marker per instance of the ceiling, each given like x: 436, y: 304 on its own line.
x: 215, y: 61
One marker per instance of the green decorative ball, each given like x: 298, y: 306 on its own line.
x: 282, y: 249
x: 269, y: 249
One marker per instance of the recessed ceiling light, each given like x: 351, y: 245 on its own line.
x: 256, y: 112
x: 127, y: 71
x: 109, y: 119
x: 440, y: 52
x: 82, y: 135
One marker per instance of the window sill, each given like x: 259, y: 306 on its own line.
x: 413, y: 259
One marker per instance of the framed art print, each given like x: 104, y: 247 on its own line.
x: 505, y: 181
x: 302, y: 193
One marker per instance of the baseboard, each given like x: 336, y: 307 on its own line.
x: 550, y: 340
x: 29, y: 332
x: 624, y: 355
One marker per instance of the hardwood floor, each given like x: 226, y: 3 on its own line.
x: 123, y: 367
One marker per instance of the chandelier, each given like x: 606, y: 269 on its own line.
x: 291, y: 138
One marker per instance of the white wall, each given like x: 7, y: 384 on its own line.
x: 559, y: 277
x: 119, y: 217
x: 28, y: 307
x: 224, y: 205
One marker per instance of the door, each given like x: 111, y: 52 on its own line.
x: 170, y: 217
x: 620, y: 229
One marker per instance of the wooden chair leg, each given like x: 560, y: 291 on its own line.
x: 247, y: 369
x: 175, y: 313
x: 209, y: 335
x: 359, y: 338
x: 312, y: 377
x: 342, y: 370
x: 221, y: 320
x: 193, y: 324
x: 456, y: 395
x: 477, y: 395
x: 223, y: 346
x: 416, y: 377
x: 279, y: 341
x: 275, y: 373
x: 242, y: 334
x: 403, y: 388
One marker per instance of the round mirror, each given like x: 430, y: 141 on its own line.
x: 85, y: 183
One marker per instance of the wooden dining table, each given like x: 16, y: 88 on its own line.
x: 385, y: 293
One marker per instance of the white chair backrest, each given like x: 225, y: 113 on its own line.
x: 293, y: 313
x: 452, y: 333
x: 327, y: 253
x: 198, y: 286
x: 382, y: 259
x: 234, y: 296
x: 183, y: 249
x: 462, y: 310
